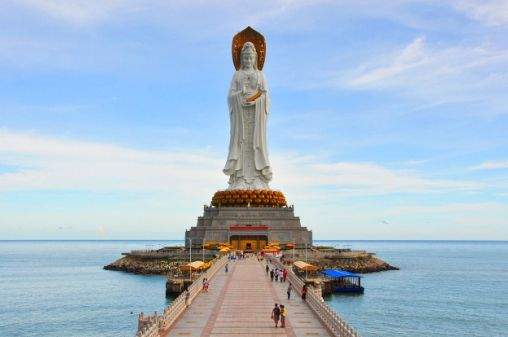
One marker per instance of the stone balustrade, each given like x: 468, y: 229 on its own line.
x: 326, y: 314
x: 154, y: 325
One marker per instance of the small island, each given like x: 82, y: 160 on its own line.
x: 167, y: 260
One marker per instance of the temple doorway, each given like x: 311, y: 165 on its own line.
x: 248, y: 242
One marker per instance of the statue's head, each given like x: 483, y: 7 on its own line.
x: 248, y: 56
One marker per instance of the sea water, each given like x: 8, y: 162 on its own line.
x: 443, y: 288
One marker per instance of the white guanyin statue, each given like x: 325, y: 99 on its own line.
x: 247, y: 165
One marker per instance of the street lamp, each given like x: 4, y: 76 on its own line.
x: 190, y: 259
x: 294, y: 244
x: 306, y: 261
x: 203, y: 249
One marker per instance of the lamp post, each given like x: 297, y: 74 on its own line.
x: 203, y: 249
x: 306, y: 261
x: 294, y: 241
x: 190, y: 259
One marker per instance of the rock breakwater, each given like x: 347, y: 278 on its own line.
x: 138, y: 265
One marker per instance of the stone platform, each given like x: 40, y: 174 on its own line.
x: 224, y: 224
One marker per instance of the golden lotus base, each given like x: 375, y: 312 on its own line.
x: 249, y: 198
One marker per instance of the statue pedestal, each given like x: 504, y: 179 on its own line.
x: 248, y: 228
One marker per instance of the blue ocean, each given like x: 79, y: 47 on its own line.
x: 443, y: 288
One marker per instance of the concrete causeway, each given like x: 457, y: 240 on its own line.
x: 239, y: 303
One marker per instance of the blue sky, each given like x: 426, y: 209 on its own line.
x: 388, y: 121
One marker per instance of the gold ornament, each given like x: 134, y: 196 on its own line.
x: 248, y: 35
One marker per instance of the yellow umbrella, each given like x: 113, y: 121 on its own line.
x: 305, y: 266
x: 196, y: 265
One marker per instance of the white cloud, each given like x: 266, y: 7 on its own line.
x: 50, y: 163
x: 91, y: 12
x: 409, y: 57
x: 455, y: 208
x: 434, y: 73
x: 476, y: 221
x: 101, y: 231
x: 491, y: 165
x: 55, y: 164
x: 490, y: 12
x: 77, y: 12
x: 310, y: 174
x: 419, y: 65
x: 169, y: 186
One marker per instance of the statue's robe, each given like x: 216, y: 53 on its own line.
x: 234, y: 163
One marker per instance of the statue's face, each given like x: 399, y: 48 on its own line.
x: 248, y: 60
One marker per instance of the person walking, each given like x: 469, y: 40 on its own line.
x: 276, y: 314
x: 283, y: 313
x: 271, y: 275
x: 276, y: 274
x: 267, y: 269
x: 290, y: 288
x: 281, y: 274
x: 285, y: 274
x: 304, y: 292
x: 187, y: 298
x: 226, y: 268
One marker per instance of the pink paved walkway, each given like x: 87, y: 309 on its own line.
x: 239, y: 303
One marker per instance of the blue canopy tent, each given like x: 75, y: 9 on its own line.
x: 344, y: 281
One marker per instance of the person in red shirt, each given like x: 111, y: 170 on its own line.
x: 304, y: 292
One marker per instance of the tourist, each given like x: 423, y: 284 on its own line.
x: 283, y: 313
x: 285, y: 274
x: 204, y: 283
x: 272, y: 274
x: 267, y: 269
x: 304, y: 292
x: 276, y: 274
x: 281, y: 274
x: 289, y: 291
x: 276, y: 314
x: 187, y: 298
x: 226, y: 267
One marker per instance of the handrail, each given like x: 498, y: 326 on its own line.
x: 331, y: 319
x: 151, y: 326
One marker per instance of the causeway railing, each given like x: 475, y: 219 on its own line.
x: 329, y: 317
x: 154, y: 325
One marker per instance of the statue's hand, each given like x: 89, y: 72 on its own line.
x: 253, y: 97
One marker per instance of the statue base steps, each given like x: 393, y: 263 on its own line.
x: 248, y: 228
